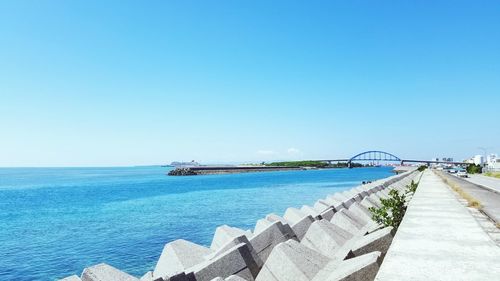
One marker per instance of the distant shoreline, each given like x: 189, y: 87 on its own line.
x: 219, y: 170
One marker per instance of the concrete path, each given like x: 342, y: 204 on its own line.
x: 488, y: 182
x: 439, y: 240
x: 489, y: 199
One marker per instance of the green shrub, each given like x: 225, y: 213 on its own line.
x: 412, y: 187
x: 392, y: 211
x: 474, y: 169
x: 422, y: 168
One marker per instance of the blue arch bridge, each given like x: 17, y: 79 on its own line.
x: 382, y: 156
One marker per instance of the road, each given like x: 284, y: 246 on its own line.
x: 489, y: 199
x: 488, y: 182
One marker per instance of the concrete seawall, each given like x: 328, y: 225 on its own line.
x: 335, y: 239
x: 439, y: 239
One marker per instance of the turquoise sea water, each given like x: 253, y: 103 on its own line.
x: 56, y: 221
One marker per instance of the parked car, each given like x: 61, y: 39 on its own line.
x: 462, y: 174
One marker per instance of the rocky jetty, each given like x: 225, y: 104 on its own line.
x: 182, y: 172
x: 217, y: 170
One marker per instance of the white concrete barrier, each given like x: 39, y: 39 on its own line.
x: 177, y: 256
x: 327, y: 238
x: 356, y: 269
x: 105, y: 272
x: 225, y: 233
x: 239, y: 260
x: 291, y: 261
x: 264, y: 241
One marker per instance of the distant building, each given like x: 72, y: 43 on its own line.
x: 478, y: 160
x: 492, y: 158
x: 492, y: 163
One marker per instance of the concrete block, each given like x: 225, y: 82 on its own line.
x: 105, y: 272
x: 235, y: 242
x: 321, y: 205
x: 148, y: 276
x: 368, y: 203
x: 264, y: 242
x: 177, y: 256
x: 261, y: 225
x: 178, y: 277
x: 327, y: 214
x: 346, y: 222
x: 310, y: 211
x: 301, y: 227
x: 217, y: 279
x: 379, y: 240
x: 71, y: 278
x: 327, y: 239
x: 352, y: 195
x: 360, y: 268
x: 360, y: 211
x: 273, y: 218
x: 291, y: 261
x: 234, y: 278
x: 294, y: 215
x: 225, y: 233
x: 346, y: 201
x: 334, y: 202
x: 238, y: 260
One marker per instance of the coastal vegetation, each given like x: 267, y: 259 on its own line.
x: 474, y: 169
x: 393, y: 209
x: 493, y: 174
x: 422, y: 168
x: 312, y: 164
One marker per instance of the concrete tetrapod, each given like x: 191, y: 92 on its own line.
x: 105, y: 272
x: 71, y: 278
x: 225, y: 233
x: 148, y: 276
x: 234, y: 278
x: 230, y: 278
x: 264, y: 241
x: 360, y: 268
x: 379, y: 240
x: 239, y: 260
x: 327, y: 239
x: 346, y: 222
x: 177, y: 256
x: 291, y: 261
x: 299, y: 228
x: 294, y: 215
x: 308, y: 210
x: 234, y: 242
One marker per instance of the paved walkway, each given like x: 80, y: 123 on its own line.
x: 489, y: 199
x: 439, y: 240
x: 488, y: 182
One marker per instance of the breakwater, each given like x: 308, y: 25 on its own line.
x: 214, y: 170
x: 335, y: 239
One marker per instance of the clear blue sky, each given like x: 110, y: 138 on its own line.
x: 85, y: 83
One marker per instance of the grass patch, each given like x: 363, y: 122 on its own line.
x: 471, y: 201
x: 493, y: 174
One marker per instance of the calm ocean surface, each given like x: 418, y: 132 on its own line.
x: 56, y: 221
